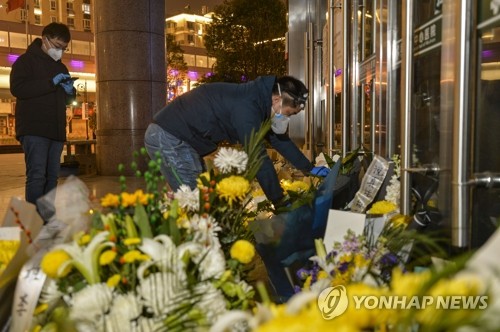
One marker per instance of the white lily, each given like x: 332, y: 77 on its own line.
x: 86, y: 259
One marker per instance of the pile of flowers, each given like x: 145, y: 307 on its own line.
x: 359, y: 258
x: 158, y: 260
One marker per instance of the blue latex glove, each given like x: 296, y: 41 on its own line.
x: 68, y: 87
x: 59, y: 78
x: 320, y: 171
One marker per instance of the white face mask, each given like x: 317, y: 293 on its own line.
x: 54, y: 53
x: 279, y: 123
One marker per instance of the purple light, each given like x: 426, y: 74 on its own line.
x: 174, y: 72
x: 193, y: 75
x: 209, y: 74
x: 12, y: 57
x: 487, y: 53
x: 76, y: 64
x: 338, y: 72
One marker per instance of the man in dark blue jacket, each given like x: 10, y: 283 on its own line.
x: 192, y: 126
x: 43, y: 87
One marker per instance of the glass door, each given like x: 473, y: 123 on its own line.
x: 485, y: 205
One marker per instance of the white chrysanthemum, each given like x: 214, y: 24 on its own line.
x: 126, y: 308
x: 91, y: 303
x: 50, y: 292
x: 162, y: 292
x: 212, y: 302
x: 227, y: 159
x: 393, y: 191
x: 188, y: 199
x: 205, y: 230
x: 213, y: 263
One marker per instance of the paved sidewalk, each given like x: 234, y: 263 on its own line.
x: 12, y: 180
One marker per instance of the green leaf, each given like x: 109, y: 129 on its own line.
x: 142, y: 221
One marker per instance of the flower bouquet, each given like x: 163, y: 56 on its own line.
x: 156, y: 260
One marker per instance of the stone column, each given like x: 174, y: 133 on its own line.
x: 130, y: 77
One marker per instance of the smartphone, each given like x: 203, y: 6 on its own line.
x: 71, y: 79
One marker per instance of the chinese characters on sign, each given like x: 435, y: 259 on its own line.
x: 428, y: 36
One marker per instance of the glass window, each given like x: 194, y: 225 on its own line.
x: 18, y: 40
x: 190, y: 59
x: 4, y: 39
x: 201, y: 61
x: 71, y: 22
x: 86, y: 25
x: 82, y: 47
x: 86, y: 8
x: 53, y: 5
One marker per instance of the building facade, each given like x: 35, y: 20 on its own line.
x: 19, y: 27
x: 189, y: 31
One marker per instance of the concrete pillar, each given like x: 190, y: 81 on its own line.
x: 130, y: 77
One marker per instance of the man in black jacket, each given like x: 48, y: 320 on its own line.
x: 193, y: 124
x: 43, y: 87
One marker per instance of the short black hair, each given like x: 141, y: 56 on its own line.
x: 294, y: 88
x: 57, y: 31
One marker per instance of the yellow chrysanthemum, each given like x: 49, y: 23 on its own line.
x: 243, y: 251
x: 107, y: 257
x: 463, y: 287
x: 113, y: 280
x: 132, y: 241
x: 141, y: 197
x: 128, y: 199
x: 233, y: 188
x: 408, y: 284
x: 382, y: 207
x: 296, y: 186
x: 52, y: 261
x: 110, y: 200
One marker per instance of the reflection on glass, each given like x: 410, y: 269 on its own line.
x: 486, y: 201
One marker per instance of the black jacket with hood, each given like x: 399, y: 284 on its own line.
x: 40, y: 106
x: 218, y: 112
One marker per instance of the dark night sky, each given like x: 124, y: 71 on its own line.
x: 173, y: 7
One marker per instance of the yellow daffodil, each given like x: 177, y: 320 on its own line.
x: 243, y: 251
x: 52, y: 262
x: 233, y: 188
